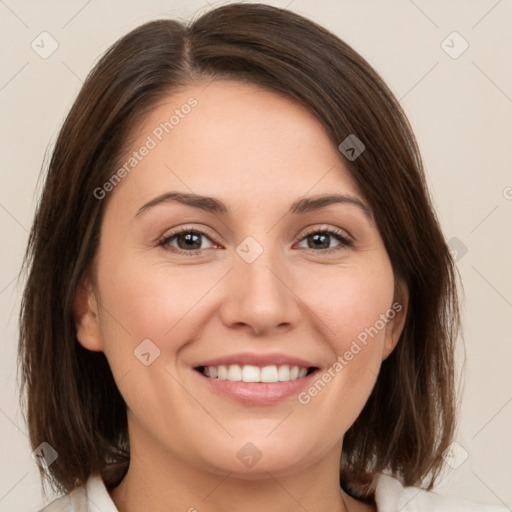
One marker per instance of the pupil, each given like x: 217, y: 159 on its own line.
x: 190, y: 239
x: 321, y: 237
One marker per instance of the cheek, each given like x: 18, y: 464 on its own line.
x: 353, y: 309
x: 351, y: 301
x: 157, y: 301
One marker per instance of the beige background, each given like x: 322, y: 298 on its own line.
x: 460, y: 109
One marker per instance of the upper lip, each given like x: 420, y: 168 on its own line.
x: 254, y: 359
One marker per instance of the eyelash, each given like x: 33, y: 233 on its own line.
x: 337, y: 234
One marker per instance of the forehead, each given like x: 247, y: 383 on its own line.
x: 228, y: 139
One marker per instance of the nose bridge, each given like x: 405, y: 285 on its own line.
x: 255, y: 266
x: 257, y: 293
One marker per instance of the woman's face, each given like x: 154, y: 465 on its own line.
x: 264, y: 276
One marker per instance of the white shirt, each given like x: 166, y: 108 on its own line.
x: 390, y: 496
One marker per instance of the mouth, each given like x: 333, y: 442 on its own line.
x: 256, y: 374
x: 256, y: 385
x: 255, y: 378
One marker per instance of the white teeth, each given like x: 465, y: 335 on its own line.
x: 269, y: 374
x: 222, y: 372
x: 283, y: 373
x: 250, y: 373
x: 234, y: 373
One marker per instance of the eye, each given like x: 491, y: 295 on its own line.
x: 189, y: 241
x: 185, y: 240
x: 321, y: 239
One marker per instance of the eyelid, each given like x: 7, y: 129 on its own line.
x: 325, y: 228
x: 344, y: 238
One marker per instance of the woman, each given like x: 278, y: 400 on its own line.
x: 238, y: 289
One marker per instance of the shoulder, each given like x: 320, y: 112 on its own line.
x: 392, y: 496
x: 78, y: 500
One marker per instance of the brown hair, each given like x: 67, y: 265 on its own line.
x: 72, y: 401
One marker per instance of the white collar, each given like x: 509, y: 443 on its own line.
x: 392, y: 496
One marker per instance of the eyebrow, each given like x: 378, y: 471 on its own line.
x: 213, y: 205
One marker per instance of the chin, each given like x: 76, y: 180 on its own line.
x: 253, y: 460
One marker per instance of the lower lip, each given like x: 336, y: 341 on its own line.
x: 258, y: 392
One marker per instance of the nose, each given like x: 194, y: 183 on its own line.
x: 259, y: 297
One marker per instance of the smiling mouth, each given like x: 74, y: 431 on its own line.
x: 251, y: 373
